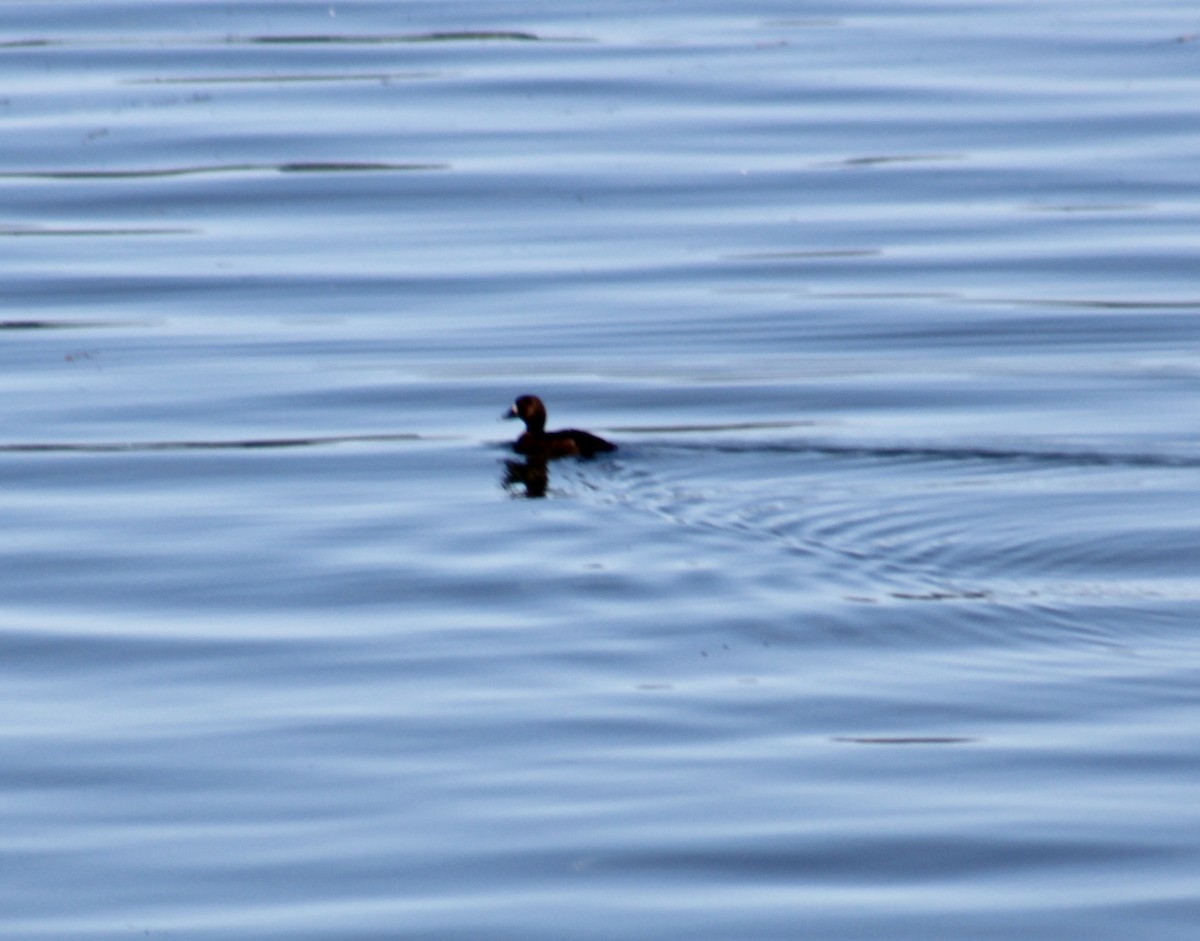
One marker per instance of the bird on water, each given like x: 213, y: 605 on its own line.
x: 537, y: 442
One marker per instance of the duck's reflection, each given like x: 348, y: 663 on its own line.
x: 527, y: 478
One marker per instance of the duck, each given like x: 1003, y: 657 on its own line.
x: 537, y: 442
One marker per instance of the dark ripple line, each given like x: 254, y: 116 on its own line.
x: 1078, y: 458
x: 299, y: 167
x: 67, y: 324
x: 366, y: 39
x: 284, y: 79
x: 349, y: 39
x: 816, y: 254
x: 905, y: 740
x: 731, y: 426
x: 881, y: 159
x: 25, y: 232
x: 958, y: 298
x: 1093, y: 303
x: 237, y: 444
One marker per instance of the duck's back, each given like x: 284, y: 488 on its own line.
x: 569, y: 442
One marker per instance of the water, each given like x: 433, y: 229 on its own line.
x: 879, y: 624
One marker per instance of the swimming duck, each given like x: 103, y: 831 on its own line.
x: 538, y: 442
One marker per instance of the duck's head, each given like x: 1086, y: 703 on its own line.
x: 529, y: 409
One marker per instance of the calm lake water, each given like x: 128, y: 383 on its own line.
x: 882, y: 622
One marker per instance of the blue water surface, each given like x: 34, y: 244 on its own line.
x: 880, y: 623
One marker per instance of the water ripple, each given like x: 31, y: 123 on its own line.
x: 1070, y: 458
x: 219, y: 445
x: 152, y: 172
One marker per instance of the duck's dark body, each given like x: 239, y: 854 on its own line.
x: 536, y: 442
x: 569, y: 442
